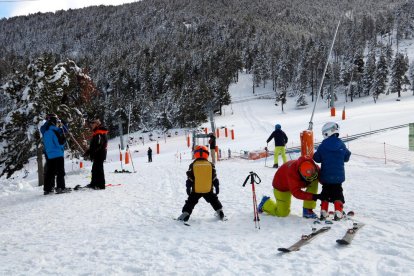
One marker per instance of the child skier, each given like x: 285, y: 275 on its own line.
x: 332, y: 153
x: 201, y: 177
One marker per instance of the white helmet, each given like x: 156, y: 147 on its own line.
x: 329, y: 129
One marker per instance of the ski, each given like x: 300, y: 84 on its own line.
x: 80, y: 187
x: 184, y: 222
x: 350, y: 234
x: 330, y: 219
x: 305, y: 239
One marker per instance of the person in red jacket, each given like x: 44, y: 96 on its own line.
x: 289, y: 180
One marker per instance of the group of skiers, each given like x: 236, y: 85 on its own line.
x: 54, y: 131
x: 290, y: 178
x: 304, y: 173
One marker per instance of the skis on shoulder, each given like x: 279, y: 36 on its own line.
x: 305, y: 239
x: 350, y: 234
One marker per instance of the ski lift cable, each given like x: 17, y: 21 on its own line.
x: 323, y: 77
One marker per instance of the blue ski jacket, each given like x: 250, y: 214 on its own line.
x: 54, y: 142
x: 332, y: 154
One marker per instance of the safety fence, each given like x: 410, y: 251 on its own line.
x: 381, y: 151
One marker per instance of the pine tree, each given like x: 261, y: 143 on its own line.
x: 369, y: 72
x: 62, y: 89
x: 398, y: 71
x: 381, y: 77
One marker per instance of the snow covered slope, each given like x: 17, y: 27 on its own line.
x: 129, y: 229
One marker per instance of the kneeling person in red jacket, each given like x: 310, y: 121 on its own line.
x: 201, y: 177
x: 289, y: 180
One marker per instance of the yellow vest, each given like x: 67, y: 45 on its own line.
x: 203, y: 176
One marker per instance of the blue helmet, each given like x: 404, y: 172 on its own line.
x: 277, y: 127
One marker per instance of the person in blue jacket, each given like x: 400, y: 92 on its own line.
x: 54, y: 142
x: 332, y: 154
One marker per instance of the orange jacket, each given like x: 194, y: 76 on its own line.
x: 287, y: 178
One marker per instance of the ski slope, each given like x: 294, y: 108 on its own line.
x: 129, y: 229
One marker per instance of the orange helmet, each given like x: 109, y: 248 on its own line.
x: 201, y: 152
x: 308, y: 171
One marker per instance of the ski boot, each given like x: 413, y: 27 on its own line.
x: 220, y: 214
x: 262, y: 202
x: 185, y: 216
x: 308, y: 213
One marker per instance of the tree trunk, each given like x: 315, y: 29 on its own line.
x: 40, y: 171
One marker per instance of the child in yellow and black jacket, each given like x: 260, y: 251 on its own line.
x: 201, y: 177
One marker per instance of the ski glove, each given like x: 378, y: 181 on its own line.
x: 188, y: 184
x: 315, y: 197
x: 216, y: 186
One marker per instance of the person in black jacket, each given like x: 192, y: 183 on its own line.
x: 280, y: 142
x: 149, y: 152
x: 201, y: 178
x: 97, y: 154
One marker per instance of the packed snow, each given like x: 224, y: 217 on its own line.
x: 129, y: 229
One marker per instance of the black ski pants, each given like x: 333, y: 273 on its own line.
x: 193, y: 198
x: 55, y: 169
x: 98, y: 174
x: 332, y: 192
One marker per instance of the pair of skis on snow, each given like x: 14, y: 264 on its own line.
x: 79, y: 187
x: 305, y: 239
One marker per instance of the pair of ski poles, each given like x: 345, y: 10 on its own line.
x: 254, y: 179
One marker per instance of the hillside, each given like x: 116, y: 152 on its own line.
x: 165, y: 57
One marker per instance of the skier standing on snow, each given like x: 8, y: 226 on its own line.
x: 332, y: 154
x: 54, y: 142
x: 201, y: 177
x: 289, y: 180
x: 212, y: 143
x: 149, y: 152
x: 97, y: 154
x: 280, y: 142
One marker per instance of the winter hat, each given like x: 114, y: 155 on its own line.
x: 277, y: 127
x: 52, y: 118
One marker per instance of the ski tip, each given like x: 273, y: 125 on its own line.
x: 284, y: 250
x: 342, y: 242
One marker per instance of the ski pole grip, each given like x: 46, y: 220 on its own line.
x: 247, y: 178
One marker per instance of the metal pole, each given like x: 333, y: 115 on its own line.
x: 323, y: 77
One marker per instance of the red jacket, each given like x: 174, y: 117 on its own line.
x: 287, y: 178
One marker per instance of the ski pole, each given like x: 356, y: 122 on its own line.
x: 267, y: 151
x: 120, y: 157
x: 132, y: 161
x: 254, y: 178
x: 73, y: 139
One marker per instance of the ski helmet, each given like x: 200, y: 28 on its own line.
x: 277, y: 127
x: 330, y: 129
x: 308, y: 171
x: 201, y: 152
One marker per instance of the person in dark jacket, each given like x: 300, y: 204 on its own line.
x: 149, y: 152
x: 332, y: 154
x: 201, y: 177
x: 54, y: 143
x: 280, y: 142
x: 97, y: 154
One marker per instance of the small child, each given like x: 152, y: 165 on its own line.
x: 201, y: 177
x: 332, y: 154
